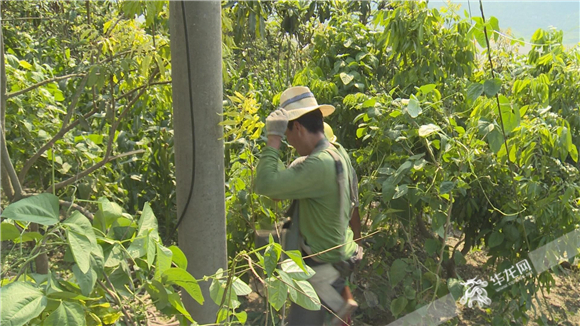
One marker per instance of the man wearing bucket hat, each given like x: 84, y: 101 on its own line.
x: 322, y: 194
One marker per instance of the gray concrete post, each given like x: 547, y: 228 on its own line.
x: 196, y: 69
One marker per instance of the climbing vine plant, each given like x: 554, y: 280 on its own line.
x: 451, y: 129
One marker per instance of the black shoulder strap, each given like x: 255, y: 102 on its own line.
x: 339, y: 174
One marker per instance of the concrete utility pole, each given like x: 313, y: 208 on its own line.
x: 196, y: 68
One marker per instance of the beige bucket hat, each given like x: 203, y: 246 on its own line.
x: 329, y: 133
x: 299, y: 100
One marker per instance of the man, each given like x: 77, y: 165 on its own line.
x: 355, y: 220
x: 321, y: 188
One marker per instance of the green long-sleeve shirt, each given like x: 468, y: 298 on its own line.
x: 312, y: 182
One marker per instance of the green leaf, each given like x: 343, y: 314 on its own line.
x: 151, y: 249
x: 111, y: 318
x: 21, y: 302
x: 432, y: 246
x: 426, y: 89
x: 413, y: 108
x: 28, y: 236
x: 402, y: 170
x: 512, y: 154
x: 286, y: 279
x: 373, y: 112
x: 145, y: 63
x: 179, y: 257
x: 52, y: 285
x: 295, y: 272
x: 93, y: 75
x: 222, y: 315
x: 438, y: 223
x: 346, y: 78
x: 217, y: 291
x: 511, y: 118
x: 305, y: 296
x: 182, y: 278
x: 41, y: 209
x: 241, y: 316
x: 401, y: 191
x: 121, y: 229
x: 12, y: 60
x: 479, y: 35
x: 158, y: 293
x: 175, y: 301
x: 566, y: 138
x: 511, y: 232
x: 398, y: 306
x: 240, y: 287
x: 163, y: 263
x: 520, y: 85
x: 494, y: 23
x: 296, y: 257
x: 397, y: 271
x: 389, y: 189
x: 108, y: 212
x: 410, y: 293
x: 114, y: 256
x: 491, y: 87
x: 416, y: 157
x: 426, y: 130
x: 25, y: 65
x: 546, y: 59
x: 67, y: 314
x: 573, y: 150
x: 86, y: 280
x: 71, y: 296
x: 360, y: 132
x: 495, y: 239
x: 446, y: 187
x: 458, y: 258
x: 496, y: 140
x: 369, y: 103
x: 57, y: 93
x: 455, y: 287
x: 122, y: 278
x: 79, y: 224
x: 147, y: 230
x: 8, y: 232
x: 148, y: 222
x: 271, y: 257
x: 81, y: 249
x: 277, y: 293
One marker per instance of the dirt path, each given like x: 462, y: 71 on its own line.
x: 561, y: 306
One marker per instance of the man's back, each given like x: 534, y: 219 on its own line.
x: 314, y: 183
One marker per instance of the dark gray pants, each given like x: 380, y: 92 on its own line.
x: 299, y: 316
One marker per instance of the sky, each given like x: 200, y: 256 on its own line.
x: 525, y: 17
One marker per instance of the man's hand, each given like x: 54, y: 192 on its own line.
x: 358, y: 255
x: 276, y: 123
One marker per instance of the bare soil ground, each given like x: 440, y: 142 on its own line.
x: 560, y: 307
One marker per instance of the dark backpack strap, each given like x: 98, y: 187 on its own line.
x: 339, y: 174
